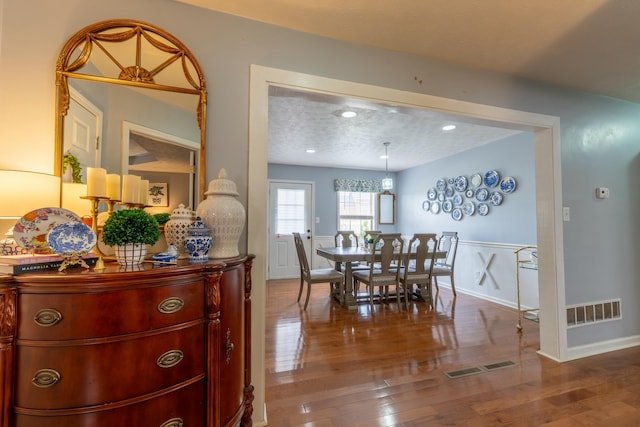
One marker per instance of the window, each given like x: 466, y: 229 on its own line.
x: 290, y: 214
x: 356, y: 211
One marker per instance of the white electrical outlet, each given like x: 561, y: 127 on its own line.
x: 602, y: 193
x: 566, y: 214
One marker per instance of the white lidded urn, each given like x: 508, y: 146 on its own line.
x: 177, y: 228
x: 224, y: 215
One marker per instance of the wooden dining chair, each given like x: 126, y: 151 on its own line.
x: 417, y: 265
x: 448, y: 243
x: 383, y: 269
x: 322, y: 275
x: 345, y: 239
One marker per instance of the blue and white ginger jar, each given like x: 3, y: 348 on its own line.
x: 198, y: 241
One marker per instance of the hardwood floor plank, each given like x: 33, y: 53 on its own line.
x: 330, y: 367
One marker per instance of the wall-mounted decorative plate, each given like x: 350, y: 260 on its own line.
x: 495, y: 198
x: 432, y: 194
x: 457, y: 200
x: 469, y: 208
x: 441, y: 197
x: 447, y: 206
x: 483, y: 209
x: 482, y: 194
x: 435, y: 207
x: 491, y: 178
x: 476, y: 180
x: 456, y: 214
x: 448, y: 191
x: 469, y: 193
x: 426, y: 205
x: 460, y: 183
x: 508, y: 185
x: 441, y: 184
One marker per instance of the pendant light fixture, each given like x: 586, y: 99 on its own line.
x: 387, y: 182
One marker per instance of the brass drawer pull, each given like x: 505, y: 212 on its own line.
x: 47, y: 317
x: 170, y: 358
x: 46, y: 378
x: 173, y: 422
x: 171, y: 305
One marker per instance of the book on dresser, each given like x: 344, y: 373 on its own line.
x: 21, y: 264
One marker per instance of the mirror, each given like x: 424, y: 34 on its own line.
x: 131, y: 98
x: 386, y: 208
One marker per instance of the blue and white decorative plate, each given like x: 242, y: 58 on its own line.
x: 441, y: 184
x: 71, y: 238
x: 447, y: 206
x: 456, y: 214
x: 469, y: 208
x: 483, y: 209
x: 460, y: 184
x: 450, y: 181
x: 441, y: 197
x: 491, y: 179
x: 495, y: 198
x: 448, y: 191
x: 469, y: 193
x: 508, y: 185
x: 432, y: 194
x: 30, y: 232
x: 475, y: 181
x: 426, y: 205
x: 482, y: 194
x: 457, y: 200
x: 435, y: 207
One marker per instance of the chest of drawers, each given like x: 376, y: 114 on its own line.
x: 164, y: 347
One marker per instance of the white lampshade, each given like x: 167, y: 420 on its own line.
x: 71, y: 198
x: 22, y: 191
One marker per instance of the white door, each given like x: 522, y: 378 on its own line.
x: 82, y: 131
x: 290, y: 210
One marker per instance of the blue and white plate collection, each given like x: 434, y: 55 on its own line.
x: 468, y: 195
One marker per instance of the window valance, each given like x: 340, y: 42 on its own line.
x: 358, y: 185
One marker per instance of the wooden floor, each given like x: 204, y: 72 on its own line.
x: 327, y: 366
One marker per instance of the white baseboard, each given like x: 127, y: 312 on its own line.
x: 601, y: 347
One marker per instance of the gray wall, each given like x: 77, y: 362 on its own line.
x: 514, y: 221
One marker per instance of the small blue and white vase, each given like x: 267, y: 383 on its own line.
x: 198, y: 241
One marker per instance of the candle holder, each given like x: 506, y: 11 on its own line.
x: 111, y: 203
x: 95, y: 203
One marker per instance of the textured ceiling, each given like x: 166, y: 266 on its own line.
x: 589, y: 45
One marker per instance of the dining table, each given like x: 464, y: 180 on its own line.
x: 347, y: 256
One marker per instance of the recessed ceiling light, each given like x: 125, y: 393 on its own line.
x: 349, y: 114
x: 449, y: 127
x: 310, y: 150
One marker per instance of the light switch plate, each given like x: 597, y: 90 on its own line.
x: 566, y: 213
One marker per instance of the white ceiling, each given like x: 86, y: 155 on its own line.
x: 589, y: 45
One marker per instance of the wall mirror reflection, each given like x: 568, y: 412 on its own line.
x: 386, y: 208
x: 131, y: 99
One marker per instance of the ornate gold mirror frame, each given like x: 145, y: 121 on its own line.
x: 130, y: 49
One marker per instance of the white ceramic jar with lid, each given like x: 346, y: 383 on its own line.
x: 177, y: 228
x: 224, y: 215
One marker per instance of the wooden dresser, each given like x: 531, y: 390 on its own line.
x: 161, y: 346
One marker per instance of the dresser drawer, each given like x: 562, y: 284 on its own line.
x: 184, y: 405
x: 93, y: 372
x: 65, y: 316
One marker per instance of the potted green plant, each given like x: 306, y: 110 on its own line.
x: 129, y: 231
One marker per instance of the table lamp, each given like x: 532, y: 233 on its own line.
x: 21, y: 192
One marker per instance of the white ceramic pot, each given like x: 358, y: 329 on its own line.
x: 131, y: 253
x: 177, y: 228
x: 224, y: 215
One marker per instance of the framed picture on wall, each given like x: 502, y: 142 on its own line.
x: 158, y: 194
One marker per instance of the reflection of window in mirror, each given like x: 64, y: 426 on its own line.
x: 386, y: 208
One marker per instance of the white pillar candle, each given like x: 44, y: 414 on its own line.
x: 144, y: 191
x: 130, y: 188
x: 96, y: 182
x: 113, y: 186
